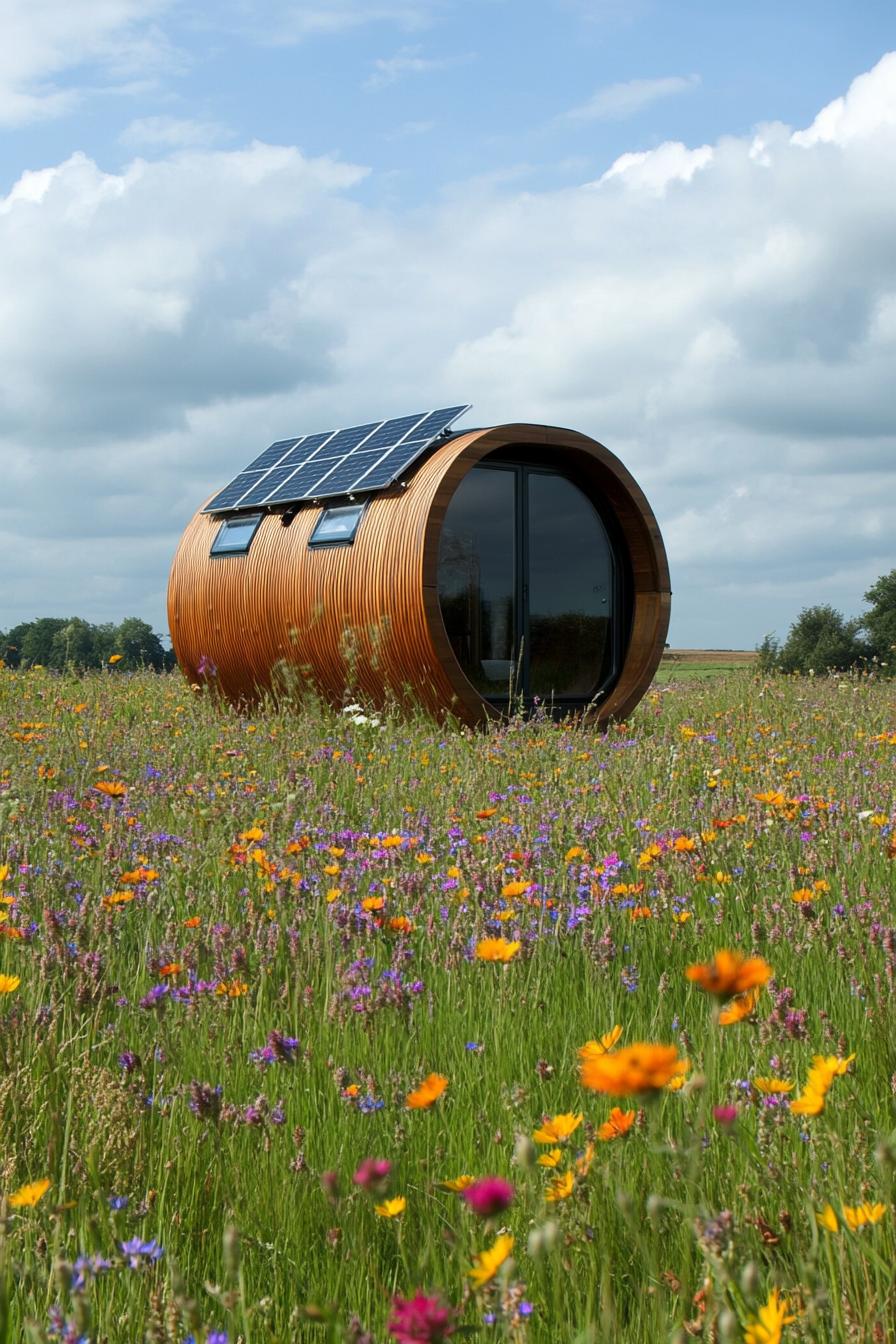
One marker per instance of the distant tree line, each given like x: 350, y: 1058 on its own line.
x: 57, y: 642
x: 821, y: 639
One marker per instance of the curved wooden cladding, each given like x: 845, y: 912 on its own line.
x: 365, y: 618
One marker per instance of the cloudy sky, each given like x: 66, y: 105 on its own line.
x: 671, y: 226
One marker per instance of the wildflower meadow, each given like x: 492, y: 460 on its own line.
x: 344, y: 1027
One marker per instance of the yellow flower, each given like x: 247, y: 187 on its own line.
x: 487, y: 1263
x: 774, y: 1085
x: 28, y: 1195
x: 810, y: 1103
x: 802, y: 895
x: 771, y: 1321
x: 391, y: 1208
x: 511, y: 889
x: 606, y: 1042
x: 457, y: 1184
x: 827, y: 1219
x: 862, y: 1215
x: 551, y: 1158
x: 497, y: 949
x: 643, y: 1067
x: 427, y: 1093
x: 9, y: 983
x: 560, y: 1187
x: 559, y: 1128
x: 730, y: 973
x: 682, y: 917
x: 116, y: 658
x: 112, y: 788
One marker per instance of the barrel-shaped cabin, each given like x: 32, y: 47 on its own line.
x: 465, y: 572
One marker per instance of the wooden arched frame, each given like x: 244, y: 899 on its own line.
x: 611, y: 487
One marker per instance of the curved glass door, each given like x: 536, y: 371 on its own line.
x: 529, y: 586
x: 478, y: 578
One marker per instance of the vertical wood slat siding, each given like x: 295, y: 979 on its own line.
x: 365, y: 618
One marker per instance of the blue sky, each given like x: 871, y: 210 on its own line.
x: 668, y: 225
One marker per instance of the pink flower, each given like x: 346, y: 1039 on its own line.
x: 420, y: 1320
x: 724, y: 1115
x: 489, y: 1196
x: 373, y: 1175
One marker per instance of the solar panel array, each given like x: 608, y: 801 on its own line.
x: 342, y: 462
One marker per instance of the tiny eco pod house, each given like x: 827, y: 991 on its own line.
x: 461, y: 571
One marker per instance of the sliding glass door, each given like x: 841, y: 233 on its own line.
x: 529, y: 586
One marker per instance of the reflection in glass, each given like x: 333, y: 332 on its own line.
x: 570, y: 582
x: 477, y: 578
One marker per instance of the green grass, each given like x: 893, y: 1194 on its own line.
x: 683, y: 1222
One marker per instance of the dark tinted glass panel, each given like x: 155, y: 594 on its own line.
x: 571, y: 586
x: 477, y: 579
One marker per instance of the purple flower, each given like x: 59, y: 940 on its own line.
x: 488, y: 1196
x: 138, y: 1252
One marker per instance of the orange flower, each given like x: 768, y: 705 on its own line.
x: 641, y: 912
x: 497, y: 949
x: 485, y: 812
x: 427, y: 1093
x: 740, y: 1007
x: 116, y: 658
x: 234, y: 989
x: 643, y: 1067
x: 730, y: 973
x: 140, y: 874
x: 193, y: 922
x: 171, y: 968
x: 618, y: 1125
x: 373, y: 903
x: 401, y: 924
x: 511, y: 889
x: 111, y: 788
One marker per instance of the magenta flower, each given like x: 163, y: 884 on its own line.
x: 724, y: 1115
x: 373, y: 1175
x: 489, y: 1196
x: 420, y: 1320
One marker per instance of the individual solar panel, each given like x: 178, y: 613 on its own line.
x: 387, y: 467
x: 230, y: 496
x: 269, y: 482
x: 341, y: 462
x: 271, y: 456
